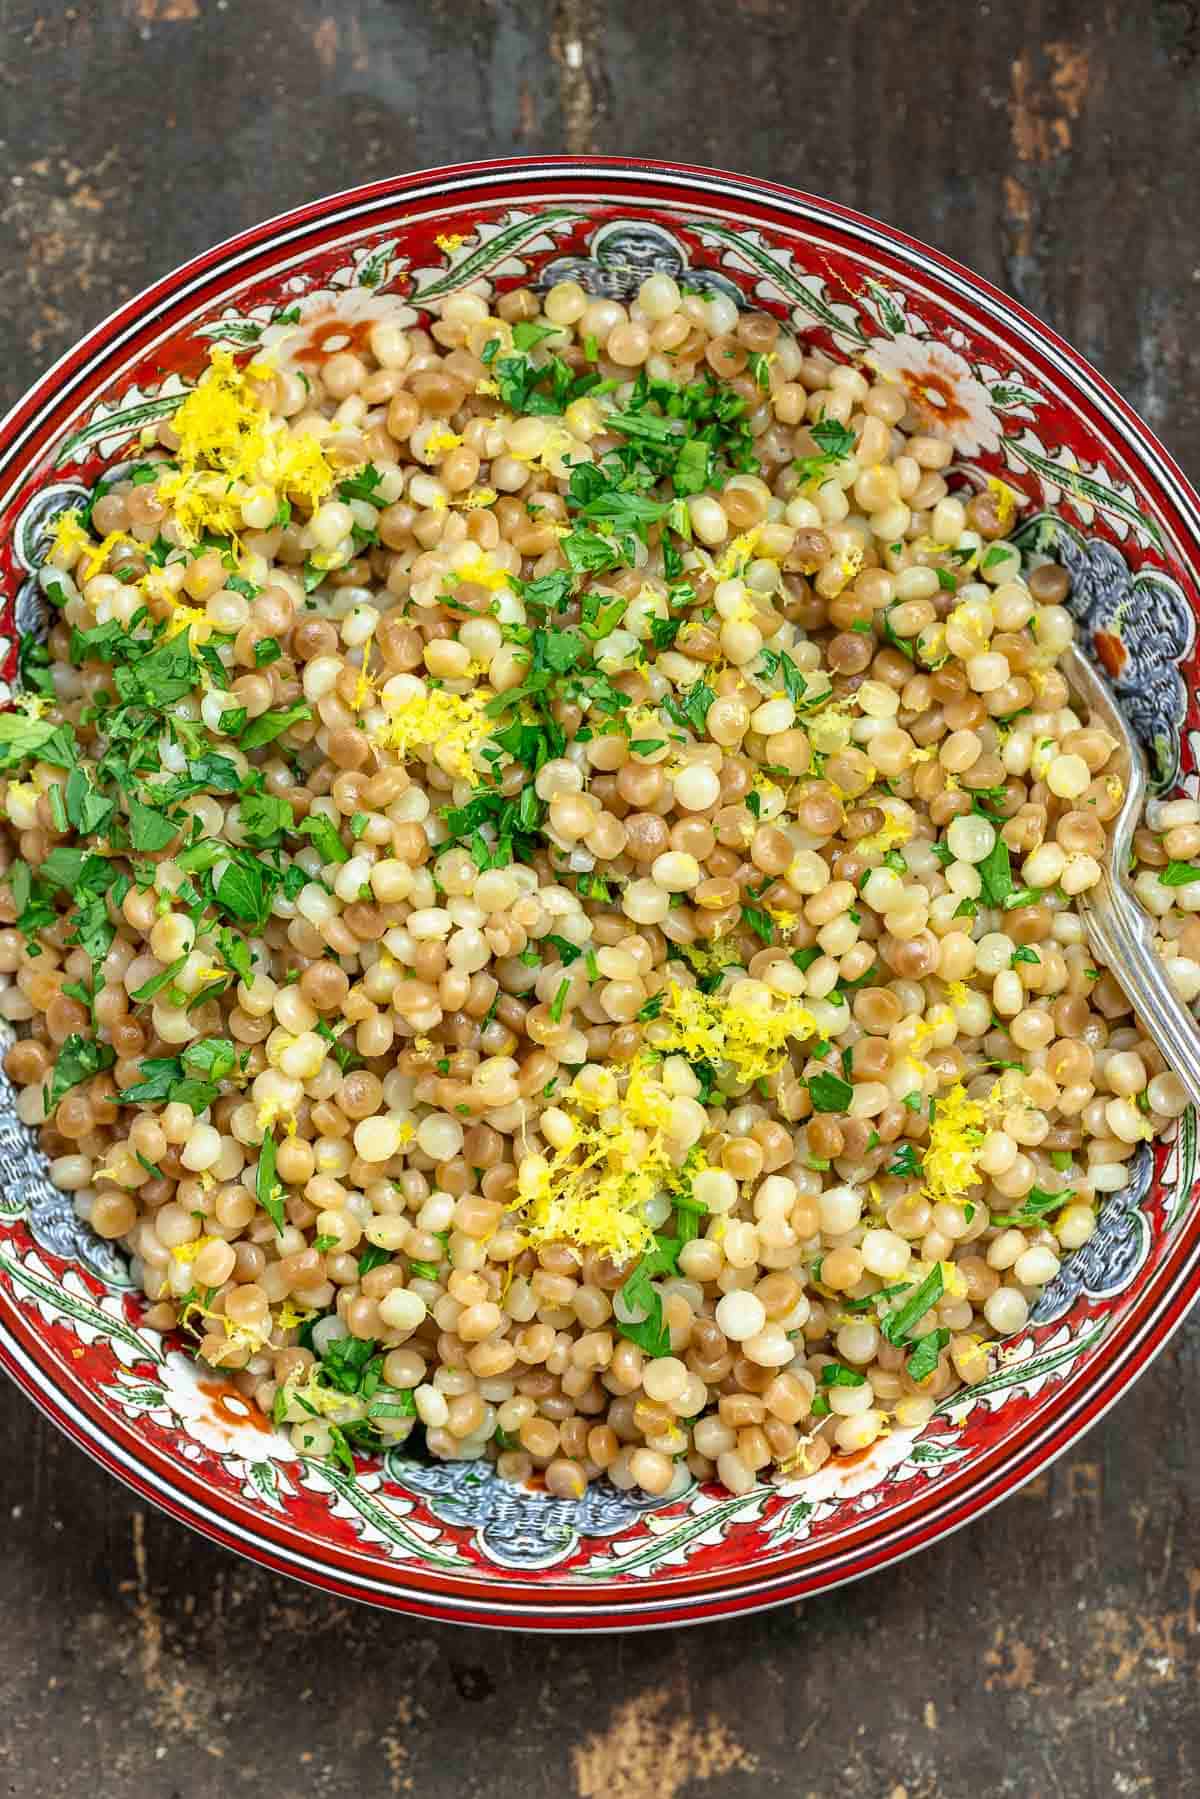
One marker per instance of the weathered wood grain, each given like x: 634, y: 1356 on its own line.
x: 1051, y: 1651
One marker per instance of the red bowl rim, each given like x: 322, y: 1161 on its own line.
x: 1148, y: 1319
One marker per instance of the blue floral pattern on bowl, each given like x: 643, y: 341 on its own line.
x: 516, y: 1526
x: 625, y: 254
x: 1138, y: 627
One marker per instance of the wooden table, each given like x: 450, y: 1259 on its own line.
x: 1049, y: 1650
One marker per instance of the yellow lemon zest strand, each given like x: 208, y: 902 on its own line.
x: 226, y: 435
x: 850, y: 565
x: 718, y: 953
x: 892, y: 832
x: 439, y: 442
x: 242, y: 1335
x: 953, y: 1282
x: 454, y: 725
x: 364, y: 687
x: 725, y: 1027
x: 187, y: 1252
x: 312, y: 1394
x: 196, y: 622
x: 476, y: 500
x: 271, y: 1113
x: 33, y: 705
x: 100, y: 554
x: 955, y: 1139
x: 482, y: 574
x: 1008, y: 501
x: 289, y: 1317
x: 592, y: 1190
x: 69, y: 536
x: 951, y: 1162
x: 738, y: 554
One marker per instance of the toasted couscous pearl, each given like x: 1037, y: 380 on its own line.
x: 740, y: 1315
x: 1006, y: 1311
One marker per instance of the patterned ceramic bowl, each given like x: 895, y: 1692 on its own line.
x: 450, y: 1540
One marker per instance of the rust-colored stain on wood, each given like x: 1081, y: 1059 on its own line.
x: 653, y: 1748
x: 1044, y: 111
x: 168, y: 12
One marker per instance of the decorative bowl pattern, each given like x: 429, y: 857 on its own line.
x: 1097, y: 491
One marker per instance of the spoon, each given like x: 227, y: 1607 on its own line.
x: 1119, y: 931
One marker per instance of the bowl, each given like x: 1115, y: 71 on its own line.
x: 1098, y: 491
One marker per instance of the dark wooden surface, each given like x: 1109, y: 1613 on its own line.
x: 1050, y: 1652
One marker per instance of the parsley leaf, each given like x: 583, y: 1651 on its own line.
x: 1036, y: 1207
x: 270, y: 725
x: 34, y: 739
x: 149, y: 829
x: 995, y: 874
x: 833, y: 439
x: 78, y: 1060
x: 264, y: 818
x: 906, y: 1163
x: 923, y: 1358
x: 640, y: 1295
x: 898, y: 1325
x: 829, y: 1093
x: 1179, y: 874
x: 834, y: 1374
x: 268, y: 1191
x: 692, y: 706
x: 778, y: 664
x: 325, y: 838
x: 760, y: 922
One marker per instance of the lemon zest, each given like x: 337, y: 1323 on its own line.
x: 592, y: 1191
x: 364, y: 689
x: 738, y: 554
x: 290, y: 1317
x: 313, y: 1394
x: 953, y: 1281
x: 189, y: 1251
x: 1008, y: 501
x: 481, y: 573
x: 893, y: 831
x: 723, y: 1028
x: 226, y: 435
x: 956, y: 1136
x: 243, y: 1335
x: 273, y: 1112
x: 438, y: 442
x: 453, y: 725
x: 69, y: 536
x: 100, y: 554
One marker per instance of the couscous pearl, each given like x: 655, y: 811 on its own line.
x: 1006, y: 1311
x: 740, y: 1315
x: 402, y: 1310
x: 377, y: 1139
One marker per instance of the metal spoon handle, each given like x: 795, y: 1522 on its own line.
x: 1122, y: 937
